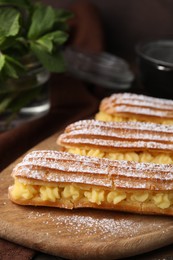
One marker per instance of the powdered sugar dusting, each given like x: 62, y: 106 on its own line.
x: 102, y: 227
x: 144, y: 111
x: 107, y: 135
x: 142, y: 101
x: 119, y: 125
x: 60, y: 167
x: 138, y: 104
x: 100, y: 143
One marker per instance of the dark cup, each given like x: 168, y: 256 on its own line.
x: 155, y: 63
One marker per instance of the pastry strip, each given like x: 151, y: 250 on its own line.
x: 64, y: 180
x: 138, y: 141
x: 134, y: 107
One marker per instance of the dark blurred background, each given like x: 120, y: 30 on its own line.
x: 126, y: 23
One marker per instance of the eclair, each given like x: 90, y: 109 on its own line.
x: 134, y: 107
x: 131, y: 141
x: 64, y: 180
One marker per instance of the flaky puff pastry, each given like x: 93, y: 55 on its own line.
x: 132, y: 141
x: 134, y: 107
x: 64, y: 180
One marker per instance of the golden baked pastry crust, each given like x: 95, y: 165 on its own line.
x: 54, y: 169
x: 130, y: 106
x: 118, y: 136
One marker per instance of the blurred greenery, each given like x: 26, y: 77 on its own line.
x: 33, y: 29
x: 31, y: 35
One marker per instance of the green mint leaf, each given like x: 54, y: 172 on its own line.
x: 9, y: 71
x: 58, y: 37
x: 15, y: 62
x: 48, y: 40
x: 63, y: 15
x: 61, y: 19
x: 12, y: 68
x: 9, y: 22
x: 42, y: 21
x: 9, y: 42
x: 53, y: 62
x: 46, y: 43
x: 2, y: 61
x: 5, y: 103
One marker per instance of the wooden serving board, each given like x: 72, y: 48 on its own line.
x: 79, y: 234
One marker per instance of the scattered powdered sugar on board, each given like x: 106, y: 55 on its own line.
x: 67, y: 223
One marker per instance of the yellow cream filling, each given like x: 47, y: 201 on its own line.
x: 145, y: 157
x: 106, y: 117
x: 72, y: 192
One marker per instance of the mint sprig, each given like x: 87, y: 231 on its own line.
x: 11, y: 16
x: 51, y: 62
x: 42, y: 21
x: 28, y: 28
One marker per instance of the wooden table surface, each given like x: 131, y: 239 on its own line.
x: 79, y: 234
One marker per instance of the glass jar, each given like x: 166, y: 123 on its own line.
x: 25, y: 98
